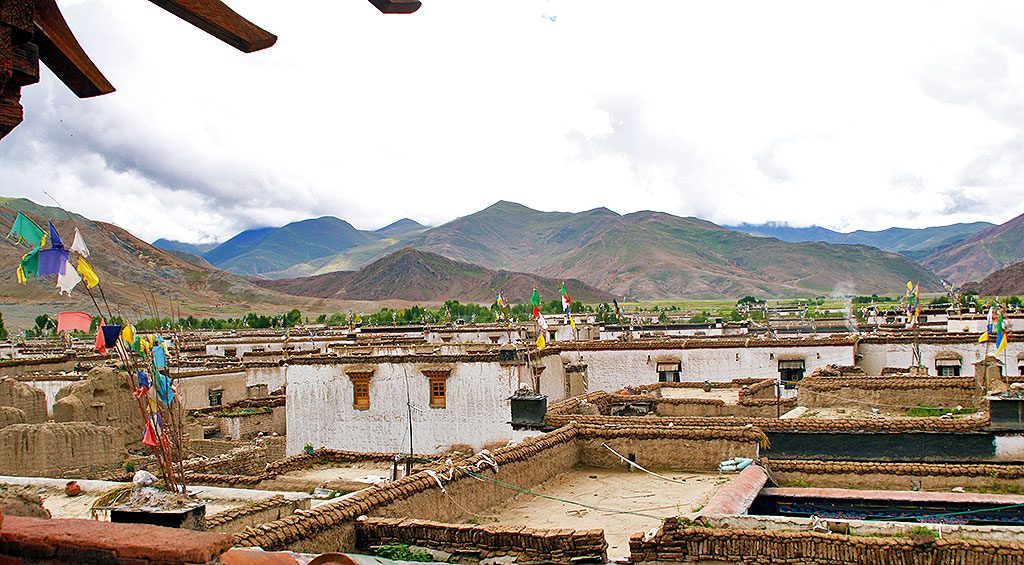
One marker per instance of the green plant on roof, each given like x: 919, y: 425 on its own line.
x: 402, y: 552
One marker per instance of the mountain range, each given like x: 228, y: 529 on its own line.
x: 643, y: 255
x: 981, y: 254
x: 133, y: 274
x: 419, y: 276
x: 914, y: 243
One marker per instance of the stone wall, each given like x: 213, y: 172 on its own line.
x: 250, y: 515
x: 473, y: 543
x: 105, y: 399
x: 27, y: 365
x: 677, y: 543
x: 50, y: 449
x: 689, y: 449
x: 29, y: 399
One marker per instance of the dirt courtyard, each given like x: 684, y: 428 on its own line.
x: 727, y: 395
x: 610, y: 493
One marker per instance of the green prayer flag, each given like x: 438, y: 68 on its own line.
x: 535, y: 299
x: 30, y: 264
x: 27, y: 230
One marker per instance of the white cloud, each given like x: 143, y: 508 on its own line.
x: 858, y: 116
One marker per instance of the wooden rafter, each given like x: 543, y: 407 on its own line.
x: 217, y: 19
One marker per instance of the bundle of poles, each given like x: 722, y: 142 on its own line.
x: 164, y: 417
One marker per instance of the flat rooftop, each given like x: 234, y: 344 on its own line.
x: 727, y: 395
x: 610, y: 494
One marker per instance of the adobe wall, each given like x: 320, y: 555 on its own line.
x: 254, y: 514
x: 105, y: 399
x: 194, y: 390
x: 30, y: 400
x: 880, y: 352
x: 50, y: 449
x: 694, y: 545
x: 678, y: 449
x: 51, y: 384
x: 894, y: 394
x: 248, y: 425
x: 10, y: 415
x: 330, y: 527
x: 611, y: 366
x: 895, y: 476
x: 468, y: 543
x: 477, y: 411
x: 274, y: 375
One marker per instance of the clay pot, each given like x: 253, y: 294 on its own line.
x: 72, y: 488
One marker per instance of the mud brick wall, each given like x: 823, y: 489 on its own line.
x: 10, y: 415
x: 679, y: 544
x: 331, y: 527
x: 249, y: 425
x: 51, y: 448
x: 895, y: 476
x: 212, y: 447
x: 667, y: 448
x: 890, y: 393
x: 29, y: 399
x: 484, y: 542
x: 244, y: 460
x: 760, y: 390
x: 237, y: 519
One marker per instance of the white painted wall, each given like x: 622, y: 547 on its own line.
x: 875, y: 356
x: 274, y: 377
x: 477, y: 411
x: 613, y: 369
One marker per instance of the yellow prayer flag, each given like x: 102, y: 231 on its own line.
x: 88, y: 275
x: 21, y: 275
x: 983, y: 337
x: 128, y: 334
x: 910, y: 286
x: 541, y: 344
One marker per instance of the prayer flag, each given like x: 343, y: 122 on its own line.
x: 110, y: 335
x: 128, y: 334
x: 1001, y: 340
x: 29, y: 266
x: 542, y: 322
x: 535, y: 299
x: 68, y: 279
x: 149, y: 436
x: 88, y: 275
x: 541, y: 344
x: 28, y: 231
x: 910, y: 287
x: 78, y: 244
x: 55, y: 241
x: 101, y: 345
x: 52, y: 261
x: 73, y: 321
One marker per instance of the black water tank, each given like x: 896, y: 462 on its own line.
x: 528, y: 410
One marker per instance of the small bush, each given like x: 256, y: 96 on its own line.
x: 402, y: 552
x: 922, y: 531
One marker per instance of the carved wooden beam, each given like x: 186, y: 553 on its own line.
x: 216, y: 19
x: 397, y: 6
x: 62, y: 53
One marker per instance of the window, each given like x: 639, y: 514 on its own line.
x: 791, y: 371
x: 669, y: 372
x: 216, y: 396
x: 360, y: 378
x: 438, y: 392
x: 949, y: 370
x: 360, y: 392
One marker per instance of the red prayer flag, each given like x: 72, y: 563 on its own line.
x: 101, y: 344
x: 71, y: 321
x: 149, y: 436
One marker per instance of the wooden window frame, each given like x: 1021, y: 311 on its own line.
x: 437, y: 378
x: 360, y: 383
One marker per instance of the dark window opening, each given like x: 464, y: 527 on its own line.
x: 216, y: 397
x: 669, y: 372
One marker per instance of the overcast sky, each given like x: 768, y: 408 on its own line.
x: 864, y: 115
